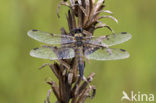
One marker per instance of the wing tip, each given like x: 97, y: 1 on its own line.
x: 30, y: 31
x: 32, y: 52
x: 127, y: 55
x: 129, y: 36
x: 124, y: 51
x: 124, y: 55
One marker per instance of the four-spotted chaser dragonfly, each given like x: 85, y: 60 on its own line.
x: 79, y: 46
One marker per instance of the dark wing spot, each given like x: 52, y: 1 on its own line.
x: 34, y: 30
x: 123, y: 50
x: 35, y: 48
x: 123, y: 32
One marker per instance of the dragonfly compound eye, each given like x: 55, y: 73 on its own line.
x: 75, y: 31
x: 80, y: 30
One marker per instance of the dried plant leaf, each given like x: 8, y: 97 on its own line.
x: 103, y: 11
x: 101, y: 25
x: 73, y: 18
x: 44, y: 65
x: 87, y: 11
x: 84, y: 95
x: 59, y: 5
x: 107, y: 16
x: 70, y: 78
x: 65, y: 64
x: 87, y: 7
x: 63, y: 31
x: 79, y: 1
x: 107, y: 11
x: 87, y: 33
x: 80, y: 18
x: 55, y: 89
x: 76, y: 86
x: 93, y: 92
x: 55, y: 69
x: 69, y: 19
x: 72, y: 2
x: 84, y: 10
x: 86, y: 83
x: 48, y: 95
x: 98, y: 5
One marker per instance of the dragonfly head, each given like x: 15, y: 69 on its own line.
x: 77, y: 30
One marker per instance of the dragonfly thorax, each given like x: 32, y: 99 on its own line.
x: 78, y: 38
x: 79, y: 43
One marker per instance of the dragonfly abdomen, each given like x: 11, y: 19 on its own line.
x: 81, y: 68
x: 79, y: 57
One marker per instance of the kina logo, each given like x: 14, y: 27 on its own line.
x: 140, y: 97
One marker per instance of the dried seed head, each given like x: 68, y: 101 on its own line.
x: 87, y: 13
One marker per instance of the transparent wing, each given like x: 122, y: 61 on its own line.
x: 110, y: 40
x: 106, y: 54
x: 52, y: 53
x: 48, y: 38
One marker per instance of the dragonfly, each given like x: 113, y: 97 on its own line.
x: 80, y: 46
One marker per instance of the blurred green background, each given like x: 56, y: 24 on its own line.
x: 22, y: 82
